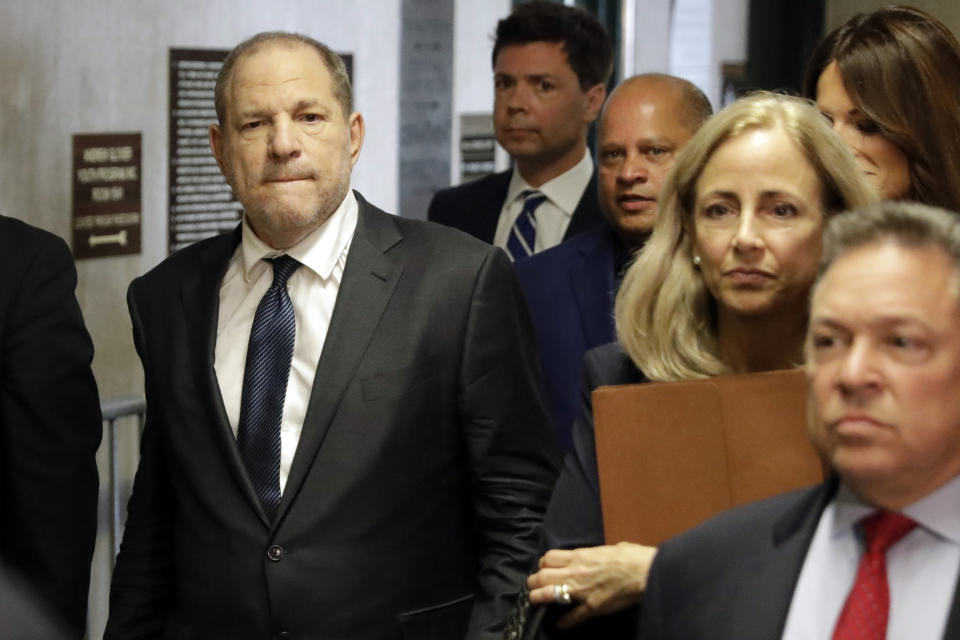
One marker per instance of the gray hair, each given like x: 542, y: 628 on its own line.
x: 333, y: 62
x: 906, y: 224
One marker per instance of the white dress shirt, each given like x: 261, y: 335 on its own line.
x: 921, y: 568
x: 553, y: 215
x: 313, y: 291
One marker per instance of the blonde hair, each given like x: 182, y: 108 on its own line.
x: 664, y: 313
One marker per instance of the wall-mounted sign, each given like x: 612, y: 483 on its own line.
x: 201, y: 203
x: 106, y: 194
x: 477, y: 146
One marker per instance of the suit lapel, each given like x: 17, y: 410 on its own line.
x: 200, y: 295
x: 587, y: 214
x: 953, y: 620
x: 769, y: 577
x: 369, y: 280
x: 591, y: 278
x: 489, y: 205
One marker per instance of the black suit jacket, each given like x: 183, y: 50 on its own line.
x: 733, y: 577
x: 570, y: 290
x: 50, y: 426
x: 574, y: 517
x: 474, y: 207
x: 414, y: 500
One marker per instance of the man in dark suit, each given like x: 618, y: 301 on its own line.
x: 50, y: 429
x: 551, y: 64
x: 344, y: 437
x: 571, y: 288
x: 874, y: 552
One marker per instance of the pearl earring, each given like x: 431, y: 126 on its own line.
x: 696, y: 260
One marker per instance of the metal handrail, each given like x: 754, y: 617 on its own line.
x: 113, y: 410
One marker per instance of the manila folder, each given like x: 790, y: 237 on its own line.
x: 673, y: 454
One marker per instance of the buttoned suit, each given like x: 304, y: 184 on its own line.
x: 414, y: 499
x: 570, y: 290
x: 733, y: 577
x: 50, y: 428
x: 474, y: 207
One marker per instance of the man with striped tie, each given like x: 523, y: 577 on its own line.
x: 551, y: 64
x: 873, y: 553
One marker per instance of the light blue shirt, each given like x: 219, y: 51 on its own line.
x: 922, y: 568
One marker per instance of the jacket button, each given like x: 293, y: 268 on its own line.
x: 275, y: 553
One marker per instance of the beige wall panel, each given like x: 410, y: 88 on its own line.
x: 946, y: 10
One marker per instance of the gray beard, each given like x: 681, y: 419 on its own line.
x: 277, y: 225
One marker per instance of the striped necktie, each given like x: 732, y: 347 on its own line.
x: 523, y: 233
x: 265, y: 376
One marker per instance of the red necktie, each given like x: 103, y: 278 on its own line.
x: 864, y: 615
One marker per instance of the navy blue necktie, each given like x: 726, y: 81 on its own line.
x: 265, y: 384
x: 523, y: 233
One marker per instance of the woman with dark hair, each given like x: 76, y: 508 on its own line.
x: 889, y: 81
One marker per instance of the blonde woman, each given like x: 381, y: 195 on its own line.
x: 720, y: 288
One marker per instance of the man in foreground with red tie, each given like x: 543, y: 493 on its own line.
x: 874, y: 551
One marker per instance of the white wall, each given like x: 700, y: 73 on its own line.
x: 651, y: 38
x: 716, y: 30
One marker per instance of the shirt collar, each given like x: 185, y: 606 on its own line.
x: 937, y: 512
x: 564, y: 191
x: 319, y: 250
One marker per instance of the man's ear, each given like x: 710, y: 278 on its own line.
x: 357, y: 130
x: 216, y: 146
x: 595, y: 97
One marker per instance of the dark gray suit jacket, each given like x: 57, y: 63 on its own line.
x: 733, y: 577
x: 414, y: 500
x: 474, y: 207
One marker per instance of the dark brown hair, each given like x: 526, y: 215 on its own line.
x: 334, y: 63
x: 585, y: 41
x: 901, y: 68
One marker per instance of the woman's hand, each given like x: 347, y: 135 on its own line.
x: 600, y: 580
